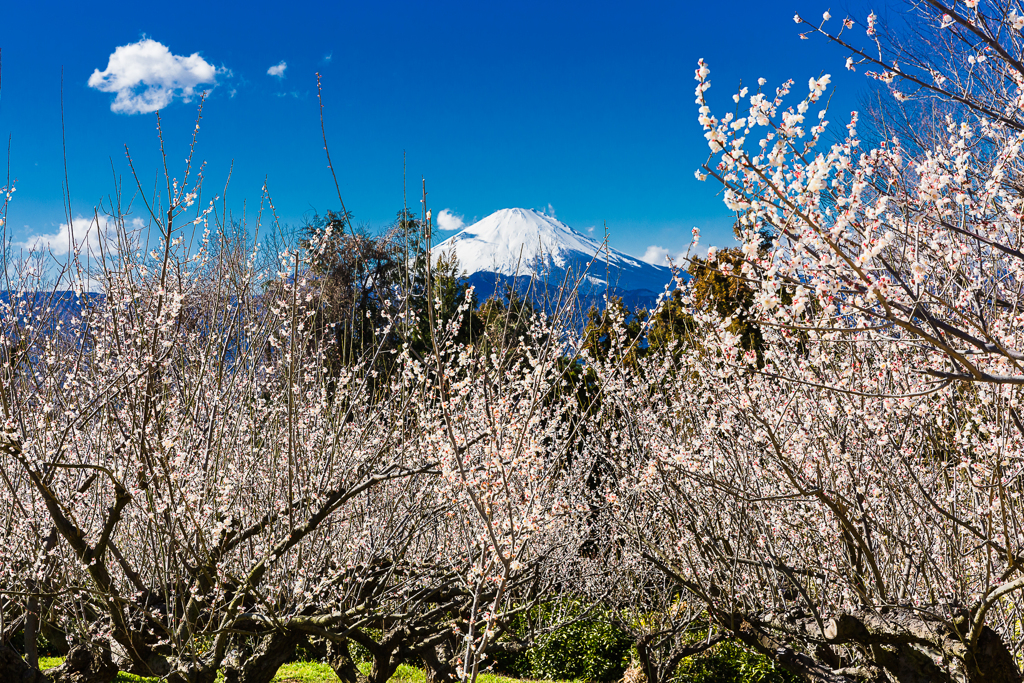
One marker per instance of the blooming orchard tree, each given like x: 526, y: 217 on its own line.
x: 514, y: 485
x: 850, y: 502
x: 841, y: 535
x: 198, y: 486
x: 176, y: 451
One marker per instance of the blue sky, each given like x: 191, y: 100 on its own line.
x: 586, y: 108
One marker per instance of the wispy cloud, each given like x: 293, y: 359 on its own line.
x: 278, y: 69
x: 660, y: 256
x: 446, y: 220
x: 146, y: 76
x: 83, y: 236
x: 328, y: 57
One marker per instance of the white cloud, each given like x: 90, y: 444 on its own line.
x: 656, y: 255
x: 446, y: 220
x: 278, y: 69
x: 659, y: 256
x: 85, y: 234
x: 146, y: 77
x: 328, y: 57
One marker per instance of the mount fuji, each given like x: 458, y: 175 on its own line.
x: 518, y: 244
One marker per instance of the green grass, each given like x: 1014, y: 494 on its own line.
x: 309, y: 672
x: 49, y: 662
x: 404, y: 674
x: 496, y: 678
x: 306, y: 672
x: 122, y: 677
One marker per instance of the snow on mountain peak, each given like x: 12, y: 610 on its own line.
x: 527, y: 242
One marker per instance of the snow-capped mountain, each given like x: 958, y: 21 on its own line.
x: 524, y: 242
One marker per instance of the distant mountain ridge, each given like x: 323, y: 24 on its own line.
x: 524, y: 243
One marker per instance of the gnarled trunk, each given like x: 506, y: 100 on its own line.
x: 14, y: 669
x: 383, y: 668
x: 85, y: 663
x: 437, y: 663
x: 659, y: 660
x: 899, y: 645
x: 261, y: 667
x: 914, y: 649
x: 340, y: 660
x: 57, y: 638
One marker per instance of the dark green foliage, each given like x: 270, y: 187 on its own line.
x: 720, y: 286
x: 597, y: 335
x: 671, y: 324
x: 514, y: 664
x: 448, y: 287
x: 353, y: 269
x: 587, y: 650
x: 366, y: 278
x: 505, y: 322
x: 730, y: 663
x: 43, y: 646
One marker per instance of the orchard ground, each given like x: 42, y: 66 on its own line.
x: 311, y: 672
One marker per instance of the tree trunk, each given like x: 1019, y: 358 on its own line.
x: 32, y: 632
x: 437, y: 665
x: 659, y: 665
x: 897, y: 644
x: 148, y: 663
x: 34, y: 613
x: 272, y: 651
x: 341, y: 661
x: 87, y: 663
x: 58, y: 639
x: 14, y: 669
x: 648, y: 662
x: 190, y: 671
x: 384, y: 667
x: 994, y: 658
x: 913, y: 649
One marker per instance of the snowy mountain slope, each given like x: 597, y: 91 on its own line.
x: 525, y: 242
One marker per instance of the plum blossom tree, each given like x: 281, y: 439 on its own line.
x: 199, y: 488
x: 850, y: 504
